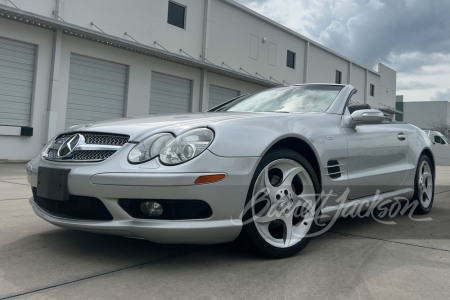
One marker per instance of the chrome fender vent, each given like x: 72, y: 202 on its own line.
x: 334, y: 169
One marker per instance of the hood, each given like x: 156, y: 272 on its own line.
x: 139, y: 128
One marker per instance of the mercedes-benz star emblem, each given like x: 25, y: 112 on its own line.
x: 69, y: 145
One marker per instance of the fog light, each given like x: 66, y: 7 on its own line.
x: 151, y: 209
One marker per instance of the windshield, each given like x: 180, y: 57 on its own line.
x: 306, y: 98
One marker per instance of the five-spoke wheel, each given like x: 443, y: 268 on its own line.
x: 283, y: 202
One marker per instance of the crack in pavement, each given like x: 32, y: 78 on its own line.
x: 26, y: 184
x: 96, y: 275
x: 14, y: 199
x: 441, y: 192
x: 389, y: 241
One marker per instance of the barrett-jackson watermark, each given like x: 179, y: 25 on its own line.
x: 261, y: 209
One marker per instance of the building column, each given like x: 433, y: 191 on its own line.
x: 306, y: 58
x: 54, y: 77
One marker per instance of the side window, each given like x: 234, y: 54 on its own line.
x: 437, y: 139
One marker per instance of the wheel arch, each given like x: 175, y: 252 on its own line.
x: 429, y: 154
x: 302, y: 147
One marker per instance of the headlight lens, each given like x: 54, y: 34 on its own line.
x: 186, y: 146
x: 47, y: 146
x: 149, y: 148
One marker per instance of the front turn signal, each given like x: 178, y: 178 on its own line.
x: 209, y: 178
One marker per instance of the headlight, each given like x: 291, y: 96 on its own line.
x: 186, y: 146
x: 149, y: 148
x: 48, y: 145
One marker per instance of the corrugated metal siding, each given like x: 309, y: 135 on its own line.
x: 17, y: 64
x: 170, y: 94
x: 97, y: 90
x: 218, y: 95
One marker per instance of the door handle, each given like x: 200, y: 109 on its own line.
x: 401, y: 136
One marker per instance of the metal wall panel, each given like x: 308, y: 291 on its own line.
x: 97, y: 90
x: 218, y: 95
x: 17, y: 65
x: 170, y: 94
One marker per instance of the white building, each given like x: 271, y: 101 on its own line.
x: 427, y: 114
x: 64, y: 62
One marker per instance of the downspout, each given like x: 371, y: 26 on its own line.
x: 306, y: 61
x: 204, y: 73
x: 366, y: 90
x: 349, y: 74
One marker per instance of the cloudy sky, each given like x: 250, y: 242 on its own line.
x: 410, y: 36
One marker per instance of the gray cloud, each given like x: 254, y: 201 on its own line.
x: 441, y: 96
x: 413, y: 85
x: 370, y: 31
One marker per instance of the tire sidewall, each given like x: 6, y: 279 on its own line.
x: 420, y: 209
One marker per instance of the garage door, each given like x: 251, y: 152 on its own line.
x: 17, y: 61
x: 218, y: 95
x: 97, y: 90
x: 170, y: 94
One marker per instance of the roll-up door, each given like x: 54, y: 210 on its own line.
x: 97, y: 90
x: 170, y: 94
x: 17, y: 64
x: 218, y: 95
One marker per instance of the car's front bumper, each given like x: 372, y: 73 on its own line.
x: 159, y: 231
x: 115, y: 179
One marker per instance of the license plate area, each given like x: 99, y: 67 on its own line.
x: 52, y: 183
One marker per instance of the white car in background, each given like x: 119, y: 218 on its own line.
x: 441, y: 147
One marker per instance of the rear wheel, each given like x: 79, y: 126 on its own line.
x: 424, y: 186
x: 281, y: 204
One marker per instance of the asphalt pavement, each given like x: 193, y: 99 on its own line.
x: 406, y: 257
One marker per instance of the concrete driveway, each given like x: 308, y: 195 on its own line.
x: 357, y: 259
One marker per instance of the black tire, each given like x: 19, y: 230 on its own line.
x: 422, y: 206
x: 251, y: 236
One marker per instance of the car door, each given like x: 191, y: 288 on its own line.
x: 378, y: 158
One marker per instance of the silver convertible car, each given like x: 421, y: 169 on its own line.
x: 268, y: 167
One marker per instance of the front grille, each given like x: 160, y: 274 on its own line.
x: 77, y: 207
x: 88, y: 146
x: 92, y: 154
x: 102, y: 139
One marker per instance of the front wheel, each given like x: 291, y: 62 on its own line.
x: 281, y: 205
x: 424, y: 186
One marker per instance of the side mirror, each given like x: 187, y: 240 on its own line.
x: 364, y: 116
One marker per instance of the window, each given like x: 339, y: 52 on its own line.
x: 290, y: 62
x: 176, y: 15
x: 372, y: 90
x: 338, y: 79
x: 439, y: 140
